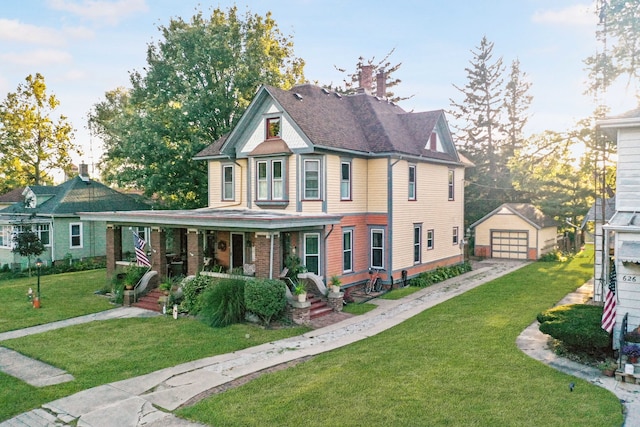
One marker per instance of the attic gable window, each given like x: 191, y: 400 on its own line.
x: 273, y: 128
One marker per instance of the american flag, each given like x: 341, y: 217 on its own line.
x: 141, y: 256
x: 609, y: 312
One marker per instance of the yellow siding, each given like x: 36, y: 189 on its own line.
x: 376, y: 185
x: 431, y: 208
x: 358, y: 202
x: 503, y: 222
x: 215, y: 184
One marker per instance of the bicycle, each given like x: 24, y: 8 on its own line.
x: 375, y: 282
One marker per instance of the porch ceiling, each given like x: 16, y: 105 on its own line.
x: 215, y: 218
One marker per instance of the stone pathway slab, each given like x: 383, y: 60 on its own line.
x: 33, y: 372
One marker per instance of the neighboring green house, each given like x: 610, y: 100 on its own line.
x: 52, y: 213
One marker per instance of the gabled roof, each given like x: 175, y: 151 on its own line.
x: 526, y: 211
x: 76, y: 195
x: 12, y: 196
x: 595, y: 211
x: 359, y: 123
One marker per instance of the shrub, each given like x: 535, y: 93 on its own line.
x: 191, y: 291
x: 439, y: 274
x: 223, y: 304
x: 577, y: 326
x: 265, y: 298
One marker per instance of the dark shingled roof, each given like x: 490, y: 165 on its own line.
x: 12, y: 196
x: 358, y: 122
x: 77, y: 195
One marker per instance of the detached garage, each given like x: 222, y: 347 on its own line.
x: 515, y: 231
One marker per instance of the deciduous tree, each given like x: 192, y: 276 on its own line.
x: 34, y: 142
x: 199, y: 79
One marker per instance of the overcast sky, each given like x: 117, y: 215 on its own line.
x: 87, y: 47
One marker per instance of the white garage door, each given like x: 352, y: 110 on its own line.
x: 509, y: 244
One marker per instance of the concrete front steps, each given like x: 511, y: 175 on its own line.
x: 319, y: 306
x: 150, y: 301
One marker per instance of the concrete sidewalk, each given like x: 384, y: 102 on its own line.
x: 144, y: 400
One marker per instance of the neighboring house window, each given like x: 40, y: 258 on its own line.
x: 430, y: 239
x: 347, y: 251
x: 345, y: 181
x: 227, y: 183
x: 417, y: 243
x: 312, y: 252
x: 455, y: 235
x: 451, y: 186
x: 273, y: 128
x: 412, y: 182
x: 142, y: 233
x: 377, y: 248
x: 42, y: 231
x: 312, y: 179
x: 75, y: 235
x: 5, y: 236
x: 270, y: 176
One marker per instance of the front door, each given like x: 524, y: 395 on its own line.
x: 237, y: 250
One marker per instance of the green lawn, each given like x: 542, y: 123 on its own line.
x: 62, y: 296
x: 104, y: 351
x: 454, y: 364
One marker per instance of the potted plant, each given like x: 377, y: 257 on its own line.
x: 632, y: 352
x: 165, y: 287
x: 608, y: 367
x: 301, y: 291
x: 335, y: 284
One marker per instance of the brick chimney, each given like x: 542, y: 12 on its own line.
x: 381, y: 84
x: 84, y: 170
x: 365, y: 76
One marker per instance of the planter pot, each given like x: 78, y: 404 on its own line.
x: 36, y: 302
x: 632, y: 359
x: 302, y: 297
x: 335, y: 289
x: 128, y: 287
x: 608, y: 372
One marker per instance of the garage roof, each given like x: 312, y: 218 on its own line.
x: 526, y: 211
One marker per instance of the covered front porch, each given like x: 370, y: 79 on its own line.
x: 239, y: 241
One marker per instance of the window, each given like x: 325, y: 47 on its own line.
x: 42, y: 231
x: 377, y: 248
x: 345, y: 181
x: 412, y: 182
x: 75, y: 235
x: 5, y: 236
x: 227, y: 183
x: 417, y: 243
x: 430, y: 239
x: 142, y: 233
x: 273, y: 128
x: 277, y: 182
x: 270, y: 180
x: 347, y: 251
x: 451, y: 186
x: 455, y: 235
x: 312, y: 179
x: 312, y: 252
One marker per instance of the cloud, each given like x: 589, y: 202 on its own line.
x: 101, y: 11
x: 576, y: 15
x: 39, y: 58
x: 16, y: 31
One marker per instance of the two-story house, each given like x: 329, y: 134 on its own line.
x: 622, y: 232
x: 346, y: 183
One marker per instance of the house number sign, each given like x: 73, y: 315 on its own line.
x: 630, y: 278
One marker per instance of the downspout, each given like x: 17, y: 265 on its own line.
x: 390, y: 217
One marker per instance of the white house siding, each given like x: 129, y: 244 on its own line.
x: 256, y: 130
x: 547, y: 238
x: 628, y: 175
x: 431, y: 209
x: 628, y: 281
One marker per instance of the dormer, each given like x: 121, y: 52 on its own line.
x: 30, y: 199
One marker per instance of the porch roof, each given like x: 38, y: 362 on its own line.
x: 216, y: 218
